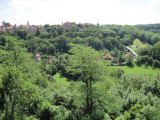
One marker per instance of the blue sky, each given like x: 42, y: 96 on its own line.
x: 81, y: 11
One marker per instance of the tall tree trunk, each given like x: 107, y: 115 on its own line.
x: 13, y: 108
x: 91, y: 101
x: 87, y: 98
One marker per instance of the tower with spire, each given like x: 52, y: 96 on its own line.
x: 3, y: 23
x: 27, y: 25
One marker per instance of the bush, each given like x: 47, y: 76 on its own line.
x: 44, y: 111
x: 120, y: 72
x: 98, y: 114
x: 130, y: 59
x: 106, y: 117
x: 151, y: 113
x: 30, y: 118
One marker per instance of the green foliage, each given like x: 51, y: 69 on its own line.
x: 3, y: 40
x: 97, y: 114
x: 150, y: 112
x: 130, y: 60
x: 84, y: 61
x: 149, y: 71
x: 38, y: 32
x: 30, y: 118
x: 156, y: 50
x: 45, y: 35
x: 62, y: 44
x: 95, y: 43
x: 120, y: 72
x: 7, y: 24
x: 149, y: 27
x: 21, y: 33
x: 77, y: 84
x: 60, y: 80
x: 121, y: 58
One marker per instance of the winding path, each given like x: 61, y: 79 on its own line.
x: 131, y: 50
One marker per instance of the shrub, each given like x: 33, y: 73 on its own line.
x: 98, y: 114
x: 30, y: 118
x: 120, y: 72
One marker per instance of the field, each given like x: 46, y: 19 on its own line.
x: 60, y: 80
x: 139, y: 70
x: 137, y: 44
x: 63, y: 81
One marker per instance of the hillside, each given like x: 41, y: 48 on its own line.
x: 69, y: 74
x: 155, y: 28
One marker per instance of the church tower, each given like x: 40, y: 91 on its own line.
x: 3, y: 23
x: 27, y: 25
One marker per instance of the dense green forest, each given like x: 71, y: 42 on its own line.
x: 150, y: 27
x: 78, y: 84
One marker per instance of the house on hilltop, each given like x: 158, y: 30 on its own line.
x: 56, y: 25
x: 28, y: 28
x: 128, y: 53
x: 69, y: 24
x: 38, y: 57
x: 107, y: 57
x: 49, y: 59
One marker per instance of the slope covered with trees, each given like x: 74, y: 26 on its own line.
x: 94, y: 91
x: 155, y: 28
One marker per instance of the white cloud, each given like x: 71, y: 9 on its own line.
x: 154, y: 3
x: 91, y: 11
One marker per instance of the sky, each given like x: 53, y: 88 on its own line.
x: 40, y: 12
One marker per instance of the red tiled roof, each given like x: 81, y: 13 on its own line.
x: 107, y: 56
x: 128, y: 53
x: 38, y: 55
x: 50, y: 59
x: 10, y: 27
x: 98, y: 59
x: 40, y: 26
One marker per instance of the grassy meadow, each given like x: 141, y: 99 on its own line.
x: 60, y: 80
x: 144, y: 70
x: 137, y: 44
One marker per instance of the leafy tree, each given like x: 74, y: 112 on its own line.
x: 60, y: 30
x: 30, y: 36
x: 3, y: 40
x: 32, y: 45
x: 84, y: 61
x: 115, y: 53
x: 49, y: 29
x: 62, y: 44
x: 7, y: 24
x: 51, y: 49
x: 38, y: 32
x: 130, y: 59
x: 121, y: 58
x: 120, y: 72
x: 156, y: 51
x: 127, y: 40
x: 46, y: 25
x: 17, y: 90
x: 45, y: 35
x: 96, y: 43
x: 22, y: 33
x: 55, y: 34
